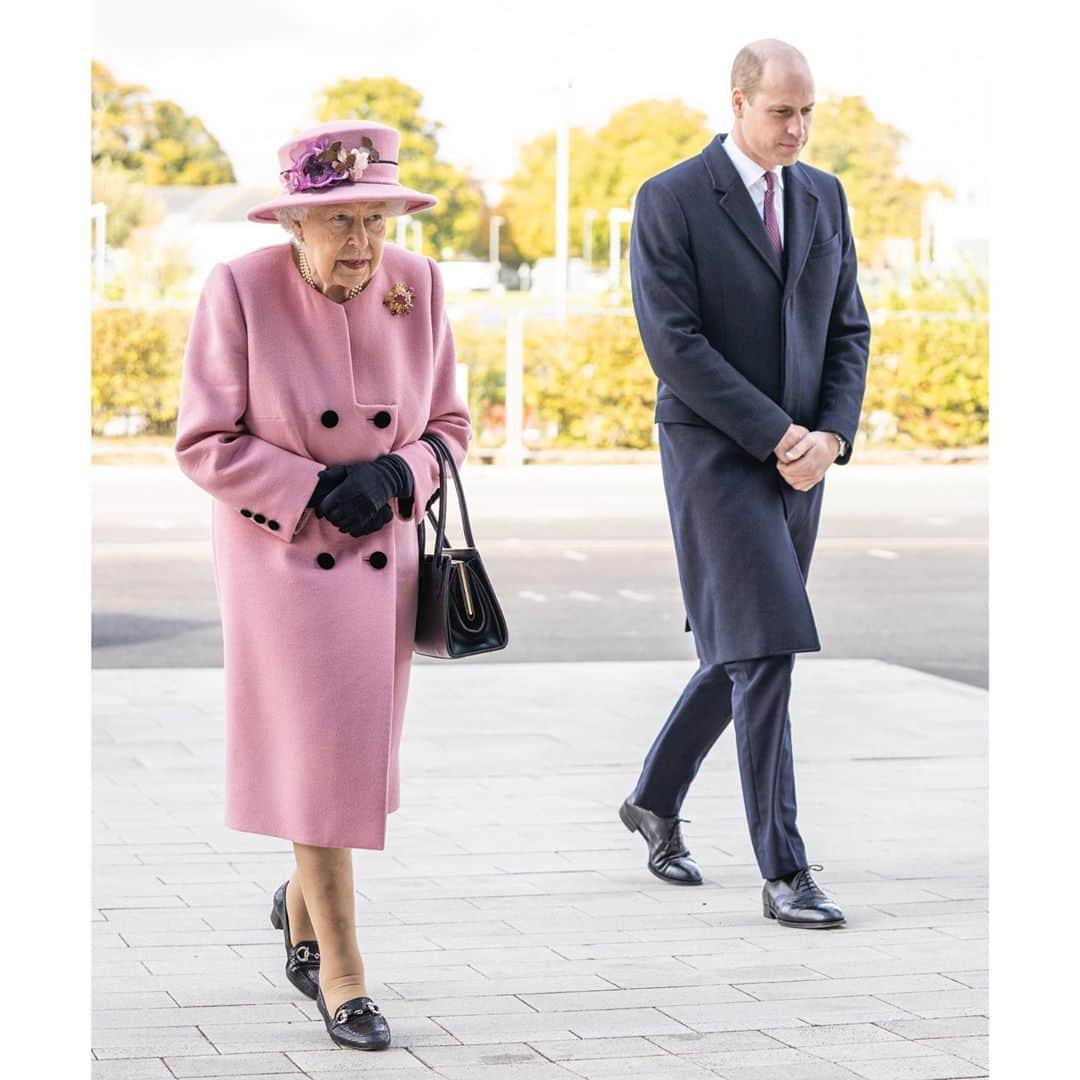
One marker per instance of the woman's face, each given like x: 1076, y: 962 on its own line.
x: 343, y: 242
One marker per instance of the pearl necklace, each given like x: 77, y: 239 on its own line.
x: 305, y: 273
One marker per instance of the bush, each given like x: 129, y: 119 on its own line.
x: 929, y: 379
x: 136, y: 359
x: 588, y: 383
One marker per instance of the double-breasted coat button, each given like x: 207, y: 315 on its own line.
x: 329, y: 418
x: 260, y: 519
x: 377, y: 560
x: 246, y: 512
x: 382, y: 418
x: 272, y: 524
x: 325, y: 560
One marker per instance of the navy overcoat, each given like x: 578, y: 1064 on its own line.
x: 743, y: 343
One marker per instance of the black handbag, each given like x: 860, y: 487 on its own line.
x: 457, y: 611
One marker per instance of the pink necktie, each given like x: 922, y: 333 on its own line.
x: 772, y: 227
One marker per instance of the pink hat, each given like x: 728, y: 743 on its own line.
x: 346, y: 161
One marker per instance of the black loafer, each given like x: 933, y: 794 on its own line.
x: 301, y: 959
x: 357, y: 1024
x: 669, y: 859
x: 800, y: 903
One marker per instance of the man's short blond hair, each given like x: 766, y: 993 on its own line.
x: 749, y: 64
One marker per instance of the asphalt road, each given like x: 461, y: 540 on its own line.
x: 583, y: 563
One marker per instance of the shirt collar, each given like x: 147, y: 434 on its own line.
x: 750, y: 171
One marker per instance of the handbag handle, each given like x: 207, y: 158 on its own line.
x: 445, y: 459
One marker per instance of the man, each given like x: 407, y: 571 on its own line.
x: 743, y: 274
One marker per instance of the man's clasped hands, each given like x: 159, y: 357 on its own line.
x: 803, y: 456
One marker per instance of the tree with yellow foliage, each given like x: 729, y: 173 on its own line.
x: 458, y: 225
x: 156, y: 141
x: 606, y: 169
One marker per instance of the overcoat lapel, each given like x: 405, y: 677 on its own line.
x: 736, y: 201
x: 800, y: 217
x: 800, y: 213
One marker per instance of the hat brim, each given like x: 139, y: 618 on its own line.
x: 367, y: 192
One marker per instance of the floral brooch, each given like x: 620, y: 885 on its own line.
x: 399, y: 299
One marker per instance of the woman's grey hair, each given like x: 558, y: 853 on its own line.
x: 288, y: 215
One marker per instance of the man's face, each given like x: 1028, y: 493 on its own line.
x: 775, y: 126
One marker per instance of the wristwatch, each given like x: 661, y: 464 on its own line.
x: 842, y: 441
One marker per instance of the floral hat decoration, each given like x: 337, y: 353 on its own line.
x: 347, y: 161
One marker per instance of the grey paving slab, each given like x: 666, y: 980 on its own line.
x: 716, y: 1042
x: 974, y: 1048
x: 801, y: 1070
x: 342, y: 1064
x: 530, y: 1070
x: 834, y: 1035
x: 538, y: 945
x: 130, y: 1069
x: 584, y: 1049
x: 459, y: 1056
x: 935, y: 1067
x: 271, y: 1064
x: 642, y: 1068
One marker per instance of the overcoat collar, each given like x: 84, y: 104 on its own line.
x: 800, y: 211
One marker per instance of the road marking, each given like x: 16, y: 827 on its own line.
x: 882, y: 553
x: 579, y: 594
x: 631, y: 595
x: 528, y: 594
x: 577, y: 556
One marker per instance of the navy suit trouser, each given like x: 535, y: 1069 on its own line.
x: 755, y: 693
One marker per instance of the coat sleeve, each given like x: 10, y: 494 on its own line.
x: 448, y: 415
x: 847, y: 347
x: 663, y: 282
x: 213, y: 446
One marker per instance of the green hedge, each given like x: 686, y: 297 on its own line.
x: 588, y: 383
x: 136, y: 360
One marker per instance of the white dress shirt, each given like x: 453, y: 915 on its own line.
x: 753, y: 176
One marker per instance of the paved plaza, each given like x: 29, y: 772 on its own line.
x: 510, y: 928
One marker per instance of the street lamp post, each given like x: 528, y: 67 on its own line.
x: 562, y: 205
x: 493, y: 243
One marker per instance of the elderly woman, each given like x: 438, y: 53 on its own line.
x: 312, y: 369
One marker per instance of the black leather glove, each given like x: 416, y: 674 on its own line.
x: 329, y: 479
x: 373, y: 523
x: 360, y: 500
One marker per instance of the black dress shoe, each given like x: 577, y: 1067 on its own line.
x: 301, y: 959
x: 800, y: 903
x: 357, y: 1023
x: 669, y: 858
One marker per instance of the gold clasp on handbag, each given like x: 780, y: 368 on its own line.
x: 460, y: 564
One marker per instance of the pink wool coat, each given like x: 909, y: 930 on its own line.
x: 318, y: 627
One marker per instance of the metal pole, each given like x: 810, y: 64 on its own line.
x: 514, y: 447
x: 562, y: 205
x: 418, y: 237
x: 493, y: 243
x: 401, y: 237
